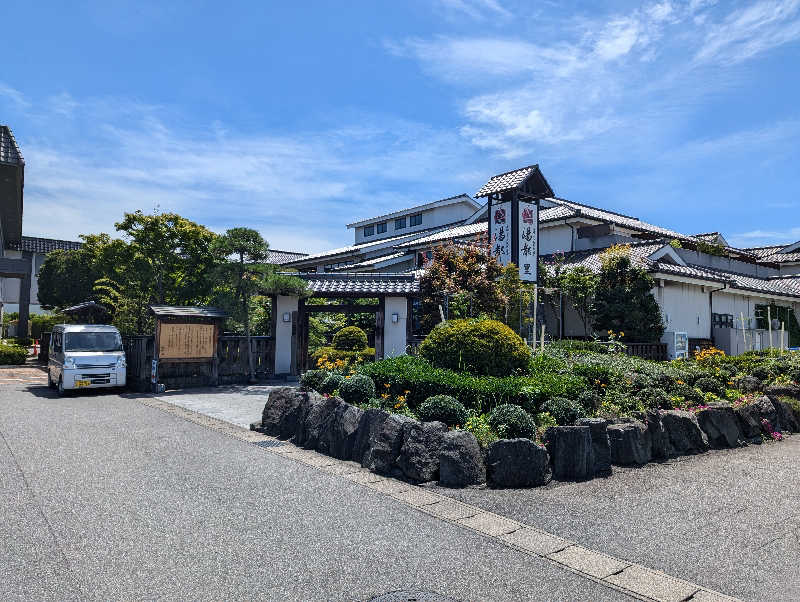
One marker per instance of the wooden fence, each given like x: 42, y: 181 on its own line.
x: 230, y: 366
x: 647, y: 351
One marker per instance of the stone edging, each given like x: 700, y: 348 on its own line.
x: 621, y: 575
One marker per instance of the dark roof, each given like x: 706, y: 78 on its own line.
x: 277, y: 257
x: 93, y: 306
x: 322, y: 285
x: 174, y: 311
x: 9, y: 151
x: 774, y: 254
x: 515, y: 179
x: 44, y: 245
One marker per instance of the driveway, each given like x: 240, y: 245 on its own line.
x: 105, y: 497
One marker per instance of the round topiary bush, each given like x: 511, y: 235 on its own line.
x: 479, y: 346
x: 331, y: 383
x: 565, y: 411
x: 510, y: 421
x: 313, y: 379
x: 350, y: 338
x: 443, y: 408
x: 710, y: 385
x: 357, y: 389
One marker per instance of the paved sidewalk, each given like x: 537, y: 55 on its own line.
x: 237, y: 404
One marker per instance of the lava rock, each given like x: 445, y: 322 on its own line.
x: 339, y: 433
x: 776, y: 391
x: 630, y: 443
x: 368, y: 428
x: 384, y: 448
x: 720, y: 425
x: 318, y: 423
x: 256, y: 426
x: 749, y: 422
x: 600, y: 444
x: 517, y: 463
x: 749, y: 384
x: 419, y: 454
x: 660, y: 446
x: 571, y: 452
x: 461, y: 460
x: 767, y: 411
x: 684, y: 432
x: 285, y: 411
x: 787, y: 416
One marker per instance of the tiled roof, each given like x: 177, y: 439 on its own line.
x: 772, y: 254
x: 9, y: 151
x: 421, y: 206
x: 44, y: 245
x: 690, y: 271
x: 376, y: 260
x: 448, y: 234
x: 280, y: 257
x: 511, y: 180
x: 591, y: 258
x: 172, y: 311
x: 323, y: 285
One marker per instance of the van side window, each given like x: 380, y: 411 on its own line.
x: 57, y: 342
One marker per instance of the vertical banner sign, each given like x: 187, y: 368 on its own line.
x: 500, y: 234
x: 528, y: 243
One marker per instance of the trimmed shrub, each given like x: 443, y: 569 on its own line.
x: 655, y: 398
x: 357, y: 389
x: 350, y: 357
x: 564, y: 411
x: 486, y: 347
x: 313, y: 379
x: 331, y: 383
x: 443, y: 408
x: 350, y: 338
x: 710, y: 385
x: 12, y: 355
x: 589, y: 401
x: 510, y: 421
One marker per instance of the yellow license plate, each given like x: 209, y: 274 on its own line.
x: 82, y: 383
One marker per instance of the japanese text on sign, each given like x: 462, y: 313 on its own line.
x: 501, y: 232
x: 528, y: 241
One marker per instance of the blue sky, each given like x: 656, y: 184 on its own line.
x: 297, y: 118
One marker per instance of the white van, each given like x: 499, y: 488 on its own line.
x: 85, y: 356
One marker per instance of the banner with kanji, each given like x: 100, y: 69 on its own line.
x: 500, y: 232
x: 528, y: 241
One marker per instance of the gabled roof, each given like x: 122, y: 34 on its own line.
x: 776, y: 253
x: 9, y: 151
x: 349, y: 285
x: 43, y: 245
x: 459, y: 198
x: 714, y: 238
x: 197, y: 311
x: 277, y: 257
x: 528, y: 179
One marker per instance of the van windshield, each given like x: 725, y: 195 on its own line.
x: 92, y: 341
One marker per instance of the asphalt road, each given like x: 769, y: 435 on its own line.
x: 106, y: 498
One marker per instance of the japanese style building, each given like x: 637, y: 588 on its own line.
x: 707, y: 290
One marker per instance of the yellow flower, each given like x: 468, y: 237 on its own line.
x: 387, y: 385
x: 384, y: 396
x: 622, y: 334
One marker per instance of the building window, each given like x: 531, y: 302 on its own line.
x: 382, y: 228
x: 400, y: 223
x: 369, y: 230
x: 415, y: 220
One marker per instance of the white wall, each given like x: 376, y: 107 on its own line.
x: 437, y: 216
x: 684, y: 308
x: 394, y: 333
x: 283, y: 334
x: 555, y: 238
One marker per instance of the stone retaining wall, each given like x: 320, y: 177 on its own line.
x: 399, y: 446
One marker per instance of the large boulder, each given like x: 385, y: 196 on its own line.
x: 571, y: 451
x: 684, y: 432
x: 788, y: 417
x: 660, y: 446
x: 461, y: 460
x: 749, y: 422
x: 749, y: 384
x: 600, y: 444
x: 338, y: 435
x: 384, y: 448
x: 286, y: 410
x: 767, y: 411
x: 630, y: 443
x: 368, y: 428
x: 775, y: 391
x: 517, y: 463
x: 318, y: 423
x: 419, y: 454
x: 720, y: 425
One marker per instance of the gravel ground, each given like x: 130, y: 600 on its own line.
x: 105, y: 498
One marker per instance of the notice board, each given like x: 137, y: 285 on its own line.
x: 186, y: 341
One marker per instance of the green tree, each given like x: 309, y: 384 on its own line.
x: 579, y: 284
x: 241, y: 254
x: 623, y: 299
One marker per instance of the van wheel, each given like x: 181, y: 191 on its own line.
x: 50, y: 383
x: 61, y: 391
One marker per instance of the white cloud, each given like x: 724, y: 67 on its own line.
x: 475, y: 9
x: 15, y: 96
x: 755, y: 238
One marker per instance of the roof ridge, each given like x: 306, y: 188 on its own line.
x: 505, y: 173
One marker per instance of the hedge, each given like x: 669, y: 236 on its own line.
x: 12, y: 355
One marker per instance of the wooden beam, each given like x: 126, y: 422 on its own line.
x: 349, y: 308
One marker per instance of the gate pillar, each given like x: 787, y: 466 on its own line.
x: 395, y: 326
x: 285, y: 308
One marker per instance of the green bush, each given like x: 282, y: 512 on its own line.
x: 564, y: 411
x: 350, y: 338
x: 443, y: 408
x: 357, y: 389
x: 486, y: 347
x: 23, y: 341
x: 331, y: 383
x: 478, y: 425
x: 510, y: 421
x: 313, y: 379
x: 12, y: 355
x: 655, y: 398
x: 349, y: 357
x: 710, y: 385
